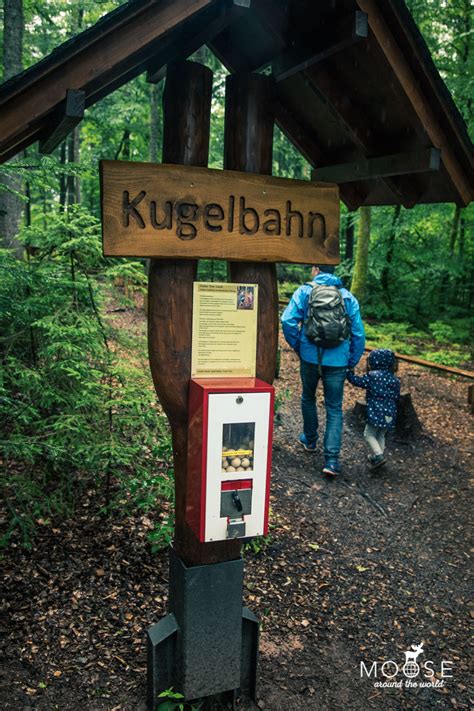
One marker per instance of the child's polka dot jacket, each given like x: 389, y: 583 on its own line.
x: 383, y: 388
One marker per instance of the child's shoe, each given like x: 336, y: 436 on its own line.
x: 308, y: 446
x: 377, y: 461
x: 332, y: 468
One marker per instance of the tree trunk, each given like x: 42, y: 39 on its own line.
x: 70, y: 179
x: 385, y: 276
x: 454, y: 229
x: 62, y: 179
x: 75, y: 145
x: 10, y: 204
x: 462, y: 236
x: 28, y: 203
x: 77, y: 158
x: 155, y: 123
x: 349, y: 236
x: 12, y: 38
x: 407, y: 426
x: 126, y: 144
x: 361, y: 266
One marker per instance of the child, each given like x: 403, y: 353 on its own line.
x: 383, y: 392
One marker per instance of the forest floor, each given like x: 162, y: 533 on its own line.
x: 357, y: 569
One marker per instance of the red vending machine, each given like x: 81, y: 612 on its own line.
x: 229, y: 457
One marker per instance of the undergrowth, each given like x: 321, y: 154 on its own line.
x: 75, y: 413
x: 439, y: 342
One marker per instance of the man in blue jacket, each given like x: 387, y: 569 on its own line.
x: 332, y: 369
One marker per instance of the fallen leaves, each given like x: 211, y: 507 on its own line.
x: 337, y: 583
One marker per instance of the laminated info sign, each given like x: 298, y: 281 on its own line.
x: 224, y: 330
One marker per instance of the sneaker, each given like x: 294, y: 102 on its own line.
x: 378, y: 461
x: 308, y: 446
x: 332, y: 468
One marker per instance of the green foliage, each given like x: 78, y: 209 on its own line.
x: 212, y: 270
x: 438, y: 343
x: 257, y: 545
x: 75, y: 412
x: 287, y: 161
x: 162, y: 535
x: 173, y: 701
x: 448, y: 32
x: 456, y: 331
x: 280, y: 399
x: 76, y: 404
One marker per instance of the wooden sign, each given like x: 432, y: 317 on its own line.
x: 171, y: 211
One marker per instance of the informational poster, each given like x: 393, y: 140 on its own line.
x: 224, y: 330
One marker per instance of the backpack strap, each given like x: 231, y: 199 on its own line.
x: 320, y: 351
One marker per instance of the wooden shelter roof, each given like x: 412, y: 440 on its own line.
x: 357, y: 90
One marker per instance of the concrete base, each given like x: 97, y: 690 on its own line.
x: 208, y: 644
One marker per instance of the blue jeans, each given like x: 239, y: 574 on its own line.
x: 333, y: 384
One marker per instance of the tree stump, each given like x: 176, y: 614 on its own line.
x: 407, y: 425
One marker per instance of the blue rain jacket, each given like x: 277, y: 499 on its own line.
x: 383, y: 388
x: 347, y: 353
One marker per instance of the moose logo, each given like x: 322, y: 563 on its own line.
x: 392, y: 674
x: 411, y: 668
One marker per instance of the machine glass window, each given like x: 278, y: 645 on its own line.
x: 238, y: 446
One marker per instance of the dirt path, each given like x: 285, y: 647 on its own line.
x: 357, y: 569
x: 369, y: 564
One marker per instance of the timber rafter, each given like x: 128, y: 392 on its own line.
x: 355, y: 83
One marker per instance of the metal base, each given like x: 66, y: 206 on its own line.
x: 208, y: 644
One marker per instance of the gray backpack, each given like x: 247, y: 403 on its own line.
x: 327, y: 323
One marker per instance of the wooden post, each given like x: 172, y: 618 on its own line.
x: 187, y: 108
x: 248, y: 143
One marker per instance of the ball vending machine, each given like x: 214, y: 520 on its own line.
x: 229, y: 457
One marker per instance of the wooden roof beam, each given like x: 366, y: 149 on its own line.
x: 273, y: 19
x: 350, y: 30
x: 422, y: 161
x: 410, y: 86
x: 358, y: 134
x: 226, y: 14
x: 69, y: 115
x: 96, y: 66
x: 301, y: 137
x: 358, y: 131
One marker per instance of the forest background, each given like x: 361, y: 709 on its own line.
x: 77, y: 409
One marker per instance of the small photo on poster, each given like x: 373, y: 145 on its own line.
x: 245, y: 297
